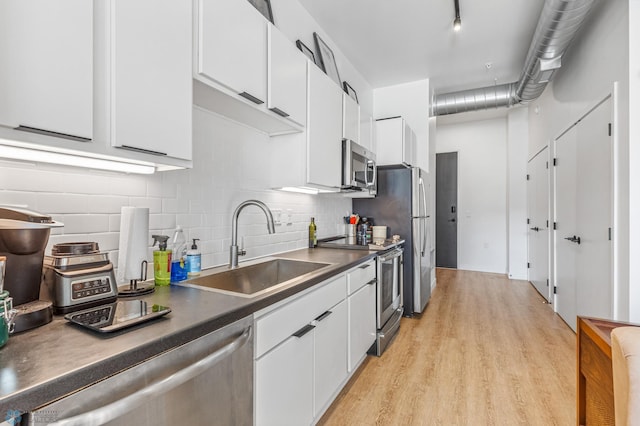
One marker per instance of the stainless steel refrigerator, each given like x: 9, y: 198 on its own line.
x: 401, y: 205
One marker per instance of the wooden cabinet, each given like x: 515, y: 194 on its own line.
x: 396, y: 142
x: 350, y: 119
x: 301, y: 355
x: 361, y: 287
x: 151, y: 76
x: 46, y: 77
x: 324, y: 130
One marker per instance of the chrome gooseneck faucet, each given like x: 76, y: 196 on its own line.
x: 234, y: 250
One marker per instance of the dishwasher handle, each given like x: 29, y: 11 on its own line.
x: 111, y: 411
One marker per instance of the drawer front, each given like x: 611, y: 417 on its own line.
x: 360, y: 276
x: 278, y: 325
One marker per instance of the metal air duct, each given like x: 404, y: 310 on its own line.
x: 559, y: 22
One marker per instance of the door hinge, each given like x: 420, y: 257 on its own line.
x: 528, y: 177
x: 547, y: 164
x: 609, y: 129
x: 547, y: 224
x: 555, y: 289
x: 555, y: 225
x: 609, y: 234
x: 528, y: 221
x: 547, y: 282
x: 528, y: 265
x: 555, y: 161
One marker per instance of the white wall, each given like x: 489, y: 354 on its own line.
x: 410, y: 101
x: 482, y: 191
x: 605, y: 51
x: 225, y: 172
x: 517, y: 137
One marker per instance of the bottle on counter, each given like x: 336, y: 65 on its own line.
x: 161, y: 261
x: 194, y: 260
x: 313, y: 234
x: 179, y: 257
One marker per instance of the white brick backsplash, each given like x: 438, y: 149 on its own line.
x: 62, y: 203
x: 85, y: 223
x: 201, y: 200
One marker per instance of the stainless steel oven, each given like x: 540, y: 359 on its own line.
x: 388, y: 297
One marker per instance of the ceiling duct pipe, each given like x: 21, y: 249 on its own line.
x: 559, y: 22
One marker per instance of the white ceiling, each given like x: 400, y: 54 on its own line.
x: 397, y: 41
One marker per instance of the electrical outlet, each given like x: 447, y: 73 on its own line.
x: 277, y: 216
x: 288, y: 217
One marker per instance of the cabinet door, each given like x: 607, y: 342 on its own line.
x: 330, y: 354
x: 151, y: 76
x: 324, y: 130
x: 407, y: 144
x: 46, y: 77
x: 390, y: 146
x: 350, y: 119
x: 366, y: 131
x: 287, y: 78
x: 284, y: 383
x: 233, y: 47
x: 362, y: 323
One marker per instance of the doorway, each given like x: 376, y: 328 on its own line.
x: 447, y: 210
x: 538, y: 222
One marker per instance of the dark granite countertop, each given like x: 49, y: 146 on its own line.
x: 47, y: 363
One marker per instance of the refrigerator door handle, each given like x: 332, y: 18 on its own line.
x: 425, y: 214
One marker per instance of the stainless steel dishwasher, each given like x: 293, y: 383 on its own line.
x: 208, y: 381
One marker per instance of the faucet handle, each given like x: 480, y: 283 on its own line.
x: 241, y: 250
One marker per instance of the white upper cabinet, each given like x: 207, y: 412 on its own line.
x: 151, y: 76
x: 233, y: 47
x: 46, y: 76
x: 367, y: 132
x: 395, y: 143
x: 287, y: 78
x: 246, y: 70
x: 350, y: 119
x: 324, y: 130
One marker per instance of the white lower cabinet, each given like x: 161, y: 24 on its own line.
x: 330, y: 350
x: 283, y: 385
x: 361, y: 285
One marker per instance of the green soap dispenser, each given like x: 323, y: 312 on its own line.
x: 161, y: 260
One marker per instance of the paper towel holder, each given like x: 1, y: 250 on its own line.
x: 136, y: 288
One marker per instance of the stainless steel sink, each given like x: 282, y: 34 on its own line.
x: 252, y: 279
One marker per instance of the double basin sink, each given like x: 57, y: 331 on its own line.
x: 252, y: 280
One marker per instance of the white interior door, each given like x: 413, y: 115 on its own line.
x: 538, y: 206
x: 594, y: 195
x: 584, y: 216
x: 566, y: 225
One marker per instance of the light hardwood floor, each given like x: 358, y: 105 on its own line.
x: 487, y: 351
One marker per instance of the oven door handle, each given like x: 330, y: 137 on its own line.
x: 391, y: 255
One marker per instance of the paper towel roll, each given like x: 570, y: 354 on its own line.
x: 134, y: 235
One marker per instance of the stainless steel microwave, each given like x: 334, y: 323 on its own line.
x: 358, y: 167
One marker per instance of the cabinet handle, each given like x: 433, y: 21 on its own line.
x: 142, y: 150
x: 122, y: 406
x: 304, y: 330
x: 364, y: 266
x: 372, y: 282
x: 323, y: 316
x: 279, y: 112
x: 52, y: 133
x: 251, y: 98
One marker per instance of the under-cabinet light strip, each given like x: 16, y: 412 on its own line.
x: 27, y: 154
